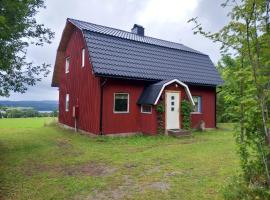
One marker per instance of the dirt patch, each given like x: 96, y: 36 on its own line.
x: 89, y: 169
x: 152, y: 170
x: 63, y: 143
x: 66, y: 148
x: 86, y: 169
x: 160, y: 186
x: 32, y: 168
x: 119, y: 192
x: 126, y: 190
x: 130, y: 165
x: 170, y: 174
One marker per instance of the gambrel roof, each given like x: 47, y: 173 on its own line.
x: 121, y: 54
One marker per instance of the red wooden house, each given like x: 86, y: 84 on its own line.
x: 110, y: 81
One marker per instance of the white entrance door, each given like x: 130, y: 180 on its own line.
x: 172, y: 110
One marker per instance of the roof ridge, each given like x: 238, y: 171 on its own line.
x: 158, y: 39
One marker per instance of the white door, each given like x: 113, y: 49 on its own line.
x: 172, y: 110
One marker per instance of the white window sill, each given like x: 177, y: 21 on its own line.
x: 115, y: 112
x: 146, y: 112
x: 196, y: 113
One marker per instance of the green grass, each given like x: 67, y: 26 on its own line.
x: 46, y: 162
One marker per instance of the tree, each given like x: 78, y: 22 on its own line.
x: 247, y: 39
x: 18, y: 30
x: 227, y: 94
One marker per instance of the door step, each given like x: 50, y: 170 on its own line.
x: 179, y: 132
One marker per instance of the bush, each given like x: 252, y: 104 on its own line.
x: 160, y: 110
x: 186, y: 109
x: 239, y: 189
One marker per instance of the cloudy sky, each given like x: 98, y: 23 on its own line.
x: 164, y: 19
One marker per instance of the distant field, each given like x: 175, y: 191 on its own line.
x: 46, y: 162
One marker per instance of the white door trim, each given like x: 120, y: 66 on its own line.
x: 180, y: 83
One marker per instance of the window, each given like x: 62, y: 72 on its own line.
x: 198, y: 104
x: 67, y: 102
x: 146, y: 108
x: 83, y: 57
x: 67, y: 65
x: 121, y: 103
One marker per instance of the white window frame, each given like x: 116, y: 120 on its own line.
x: 114, y: 111
x: 199, y: 105
x: 144, y: 111
x: 67, y: 102
x: 83, y: 57
x: 67, y: 65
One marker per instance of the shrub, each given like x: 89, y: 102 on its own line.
x: 160, y: 110
x: 186, y: 109
x: 238, y: 189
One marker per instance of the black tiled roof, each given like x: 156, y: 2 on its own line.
x: 124, y: 54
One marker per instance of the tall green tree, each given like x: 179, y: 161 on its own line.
x: 18, y: 30
x: 247, y: 39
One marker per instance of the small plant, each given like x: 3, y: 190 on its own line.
x: 186, y: 109
x: 160, y: 110
x: 160, y: 107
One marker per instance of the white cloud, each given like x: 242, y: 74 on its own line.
x: 166, y: 11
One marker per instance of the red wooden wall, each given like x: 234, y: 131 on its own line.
x: 134, y: 121
x: 80, y: 84
x: 208, y: 114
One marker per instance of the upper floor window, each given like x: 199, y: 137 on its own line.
x: 67, y: 65
x: 198, y: 104
x: 83, y: 57
x: 67, y: 103
x: 146, y: 108
x: 121, y: 103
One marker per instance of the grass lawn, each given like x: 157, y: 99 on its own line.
x: 46, y: 162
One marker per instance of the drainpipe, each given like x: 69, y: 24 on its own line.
x: 101, y: 106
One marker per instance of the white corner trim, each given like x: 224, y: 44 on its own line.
x: 179, y: 82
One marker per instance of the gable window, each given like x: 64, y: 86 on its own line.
x: 121, y: 103
x: 198, y: 104
x: 83, y: 57
x: 67, y: 65
x: 146, y: 109
x: 67, y: 102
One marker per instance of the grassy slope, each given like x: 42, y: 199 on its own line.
x: 40, y: 162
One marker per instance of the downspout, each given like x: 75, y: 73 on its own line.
x: 101, y: 106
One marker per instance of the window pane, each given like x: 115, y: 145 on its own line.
x: 121, y: 103
x: 67, y: 64
x: 83, y: 57
x: 198, y: 103
x: 146, y: 108
x: 67, y: 102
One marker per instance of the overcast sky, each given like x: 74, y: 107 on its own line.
x: 164, y: 19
